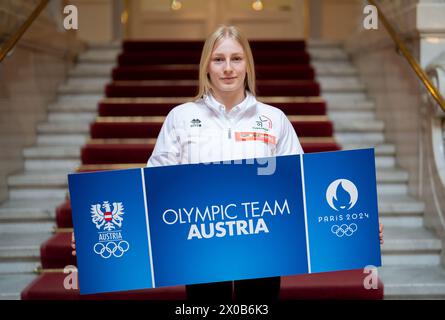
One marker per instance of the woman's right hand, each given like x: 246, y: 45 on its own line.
x: 73, y: 245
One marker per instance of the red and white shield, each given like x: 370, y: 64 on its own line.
x: 108, y: 216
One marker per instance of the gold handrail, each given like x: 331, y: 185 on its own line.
x: 10, y: 43
x: 433, y: 91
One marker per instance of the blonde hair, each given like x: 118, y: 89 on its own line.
x: 223, y: 31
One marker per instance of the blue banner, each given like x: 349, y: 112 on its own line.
x: 200, y: 223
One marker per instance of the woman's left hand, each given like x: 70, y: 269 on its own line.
x: 381, y: 232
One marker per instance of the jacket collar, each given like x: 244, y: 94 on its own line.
x: 212, y: 103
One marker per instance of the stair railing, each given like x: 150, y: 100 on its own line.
x: 10, y: 42
x: 421, y: 74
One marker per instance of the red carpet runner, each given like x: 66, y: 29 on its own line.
x: 150, y: 79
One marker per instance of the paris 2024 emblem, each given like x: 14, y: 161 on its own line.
x: 108, y: 219
x: 342, y: 196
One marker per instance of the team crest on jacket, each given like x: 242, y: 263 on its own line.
x: 108, y: 219
x: 263, y: 123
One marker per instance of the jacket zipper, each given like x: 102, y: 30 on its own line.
x: 230, y: 133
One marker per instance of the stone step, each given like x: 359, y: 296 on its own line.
x: 62, y: 139
x: 11, y: 287
x: 75, y: 105
x: 88, y: 67
x: 350, y: 106
x: 99, y: 55
x: 332, y: 80
x: 403, y: 203
x: 334, y: 71
x: 365, y: 139
x: 52, y: 158
x: 333, y: 67
x: 345, y: 88
x: 410, y: 239
x: 413, y: 282
x: 38, y: 180
x: 381, y: 150
x: 51, y: 152
x: 392, y: 189
x: 89, y: 81
x: 351, y: 116
x: 22, y: 246
x: 81, y: 88
x: 65, y: 165
x: 410, y: 246
x: 50, y: 194
x: 11, y: 211
x: 387, y: 162
x: 406, y: 200
x: 385, y: 149
x: 63, y: 128
x: 402, y: 221
x: 13, y: 228
x: 359, y: 126
x: 85, y: 117
x: 327, y: 54
x: 402, y: 211
x: 85, y: 70
x: 339, y: 97
x: 79, y: 97
x: 391, y: 175
x: 16, y: 268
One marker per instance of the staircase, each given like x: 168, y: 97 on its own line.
x: 411, y: 253
x: 27, y: 218
x: 143, y: 90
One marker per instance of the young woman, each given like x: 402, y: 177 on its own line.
x: 226, y: 122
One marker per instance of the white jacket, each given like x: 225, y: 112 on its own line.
x: 202, y: 132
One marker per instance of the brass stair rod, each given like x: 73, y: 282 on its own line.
x: 433, y: 91
x: 10, y: 43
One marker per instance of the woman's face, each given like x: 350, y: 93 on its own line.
x: 227, y: 67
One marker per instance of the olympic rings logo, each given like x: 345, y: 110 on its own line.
x: 344, y: 229
x: 111, y: 249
